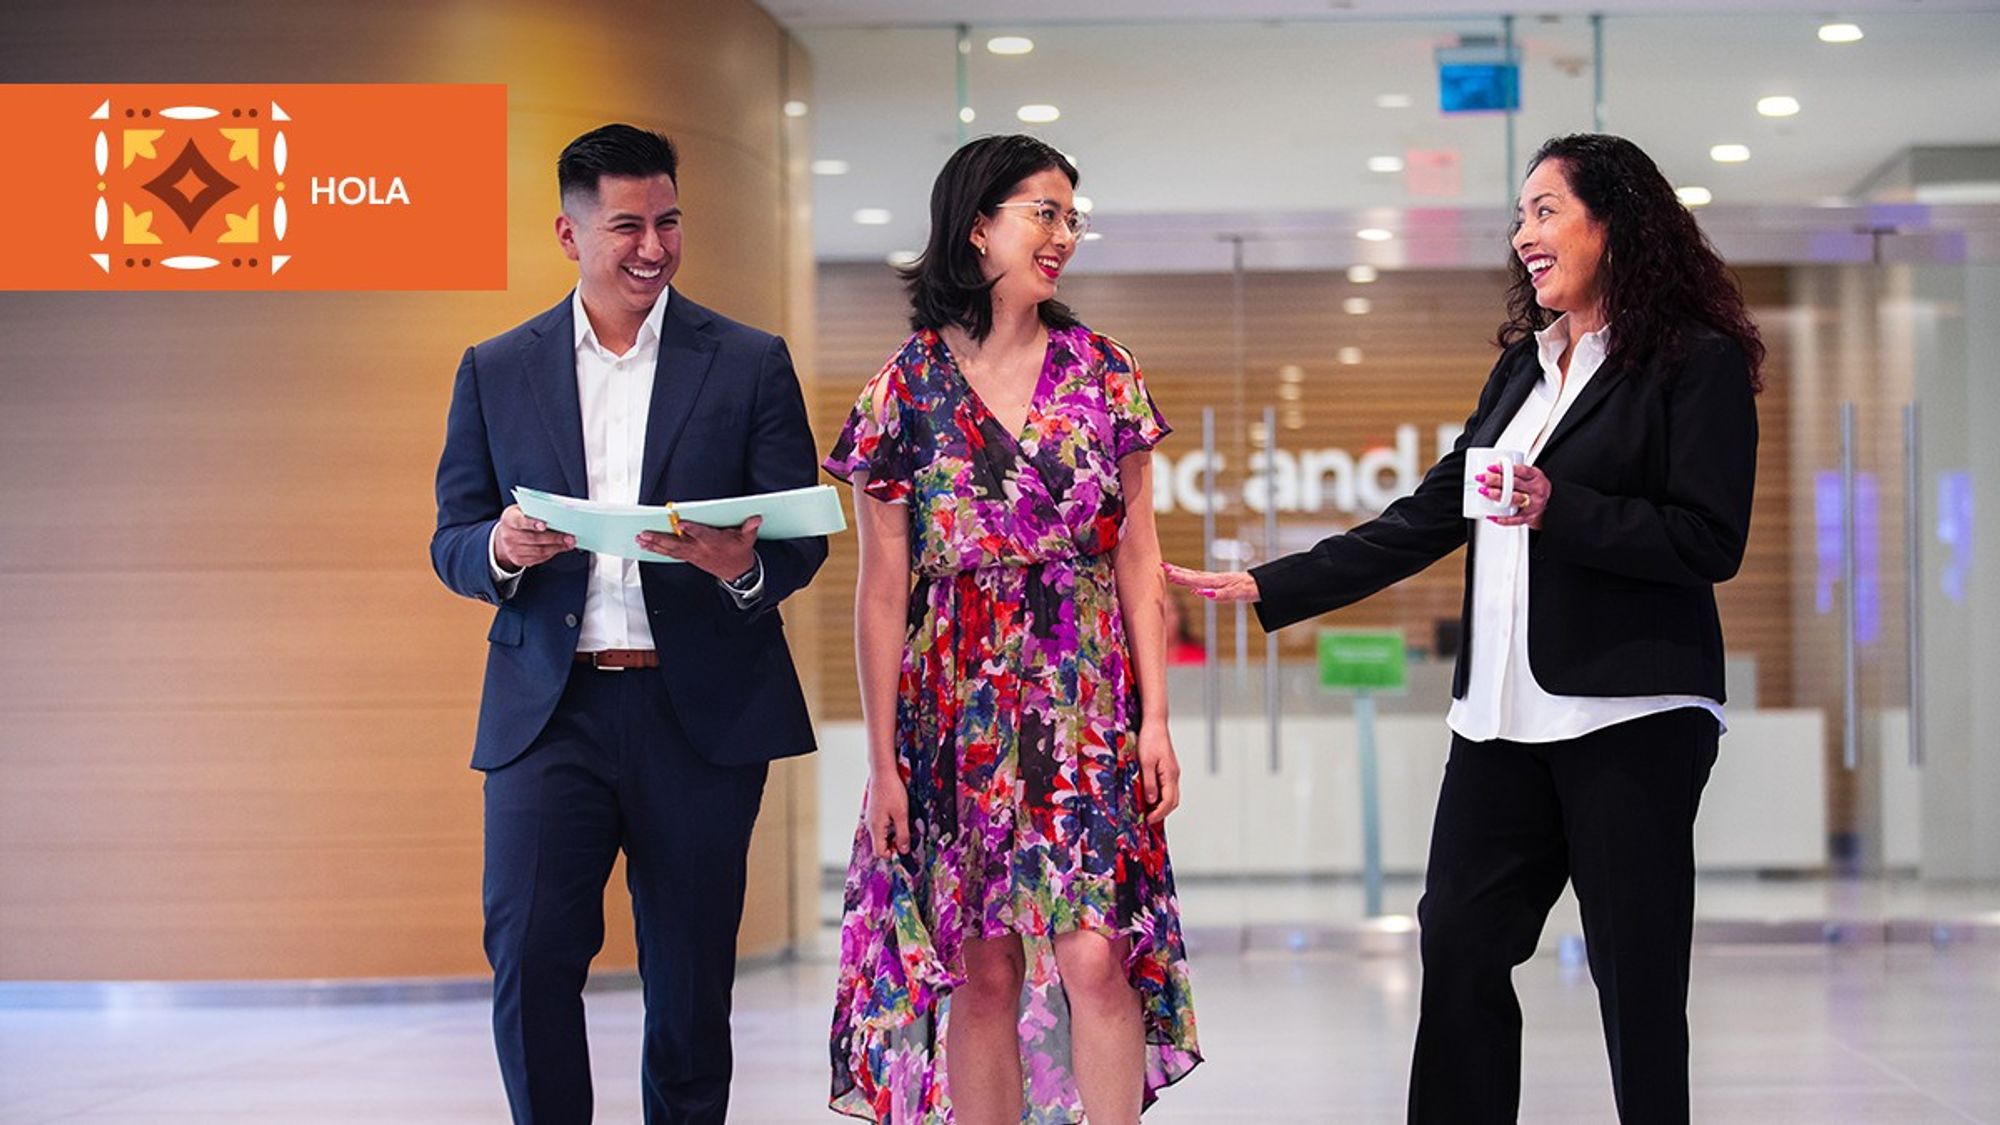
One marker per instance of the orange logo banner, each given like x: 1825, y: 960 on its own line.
x: 252, y: 187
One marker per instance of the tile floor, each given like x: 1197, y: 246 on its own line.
x: 1896, y: 1034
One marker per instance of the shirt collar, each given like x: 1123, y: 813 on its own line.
x: 650, y: 330
x: 1590, y: 351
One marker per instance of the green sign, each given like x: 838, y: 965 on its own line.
x: 1354, y: 659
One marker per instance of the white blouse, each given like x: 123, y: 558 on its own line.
x: 1502, y: 699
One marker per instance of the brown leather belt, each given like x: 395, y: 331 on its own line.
x: 619, y: 659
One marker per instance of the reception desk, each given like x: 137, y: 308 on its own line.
x: 1247, y: 811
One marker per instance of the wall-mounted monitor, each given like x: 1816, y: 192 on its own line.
x: 1478, y: 77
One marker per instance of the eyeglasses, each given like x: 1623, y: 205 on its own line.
x: 1049, y: 218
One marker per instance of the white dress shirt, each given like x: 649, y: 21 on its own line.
x: 1502, y: 699
x: 614, y: 393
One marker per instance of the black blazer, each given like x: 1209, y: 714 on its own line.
x: 1651, y: 473
x: 727, y: 418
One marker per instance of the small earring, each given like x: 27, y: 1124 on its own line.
x: 982, y: 251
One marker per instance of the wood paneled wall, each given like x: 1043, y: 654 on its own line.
x: 235, y: 705
x: 1423, y: 355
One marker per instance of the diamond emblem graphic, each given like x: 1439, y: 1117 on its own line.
x: 190, y: 186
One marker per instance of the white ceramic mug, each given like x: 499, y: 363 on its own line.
x: 1480, y: 460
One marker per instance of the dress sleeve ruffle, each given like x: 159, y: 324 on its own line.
x: 872, y: 442
x: 1136, y: 423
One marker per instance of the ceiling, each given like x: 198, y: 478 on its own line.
x: 1170, y: 112
x: 798, y: 14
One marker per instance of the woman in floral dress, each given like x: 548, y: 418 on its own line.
x: 1011, y: 948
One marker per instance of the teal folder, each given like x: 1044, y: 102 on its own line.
x: 613, y: 529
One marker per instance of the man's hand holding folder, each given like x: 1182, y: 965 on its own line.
x: 716, y: 532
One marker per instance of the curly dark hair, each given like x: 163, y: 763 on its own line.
x: 1659, y: 272
x: 946, y: 286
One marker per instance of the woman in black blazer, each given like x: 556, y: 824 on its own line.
x: 1588, y: 694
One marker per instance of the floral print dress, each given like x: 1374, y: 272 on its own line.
x: 1016, y: 729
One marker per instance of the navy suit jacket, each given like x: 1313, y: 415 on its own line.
x: 727, y: 418
x: 1652, y: 474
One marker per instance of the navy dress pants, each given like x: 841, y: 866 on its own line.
x: 1611, y: 811
x: 614, y: 771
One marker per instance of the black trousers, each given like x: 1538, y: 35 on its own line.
x: 613, y: 771
x: 1613, y: 812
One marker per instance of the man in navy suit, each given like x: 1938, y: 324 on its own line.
x: 627, y: 706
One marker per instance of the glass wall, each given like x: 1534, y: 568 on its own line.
x: 1313, y: 371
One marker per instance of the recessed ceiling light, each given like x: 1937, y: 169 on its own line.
x: 903, y: 259
x: 1729, y: 154
x: 1295, y: 419
x: 1385, y: 164
x: 872, y: 217
x: 830, y: 168
x: 1373, y: 234
x: 1692, y: 196
x: 1010, y: 44
x: 1092, y: 235
x: 1291, y: 373
x: 1361, y: 275
x: 1084, y: 203
x: 965, y: 114
x: 1291, y: 392
x: 1393, y: 101
x: 1038, y: 114
x: 1778, y: 105
x: 795, y: 109
x: 1348, y: 356
x: 1839, y: 33
x: 1357, y: 306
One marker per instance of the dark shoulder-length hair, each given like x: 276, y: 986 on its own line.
x: 1659, y: 274
x: 945, y: 284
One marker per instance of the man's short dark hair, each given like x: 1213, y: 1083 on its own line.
x: 613, y: 150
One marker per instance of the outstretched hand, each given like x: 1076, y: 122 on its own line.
x: 1215, y: 585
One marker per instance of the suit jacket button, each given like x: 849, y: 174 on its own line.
x: 569, y: 619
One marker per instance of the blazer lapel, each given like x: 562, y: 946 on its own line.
x: 686, y: 350
x: 1527, y: 369
x: 1602, y: 383
x: 551, y: 363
